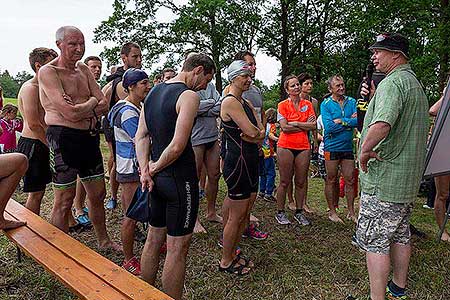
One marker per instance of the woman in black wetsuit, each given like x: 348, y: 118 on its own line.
x: 243, y: 132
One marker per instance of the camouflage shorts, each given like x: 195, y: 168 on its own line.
x: 382, y: 223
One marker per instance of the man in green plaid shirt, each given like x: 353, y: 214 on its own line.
x: 391, y: 160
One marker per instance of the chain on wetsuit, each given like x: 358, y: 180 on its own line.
x: 241, y: 159
x: 174, y: 198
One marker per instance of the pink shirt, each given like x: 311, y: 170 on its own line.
x: 8, y: 137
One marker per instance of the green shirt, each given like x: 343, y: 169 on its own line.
x: 401, y: 102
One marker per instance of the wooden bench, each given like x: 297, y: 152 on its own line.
x: 85, y: 272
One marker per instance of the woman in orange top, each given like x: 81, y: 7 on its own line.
x: 296, y: 117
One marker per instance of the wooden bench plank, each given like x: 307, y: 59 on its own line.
x: 112, y: 274
x: 78, y: 279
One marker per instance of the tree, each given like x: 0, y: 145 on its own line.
x: 217, y: 27
x: 9, y: 85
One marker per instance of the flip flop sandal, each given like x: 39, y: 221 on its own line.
x: 235, y: 268
x: 246, y: 260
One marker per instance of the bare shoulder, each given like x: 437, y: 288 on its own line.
x: 189, y: 95
x: 107, y: 87
x: 29, y: 88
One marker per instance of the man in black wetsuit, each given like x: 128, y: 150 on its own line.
x: 165, y: 127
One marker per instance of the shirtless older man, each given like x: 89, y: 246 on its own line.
x: 72, y: 101
x: 33, y: 143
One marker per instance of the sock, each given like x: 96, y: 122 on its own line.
x: 298, y: 211
x: 395, y: 289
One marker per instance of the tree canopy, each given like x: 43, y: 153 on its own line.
x: 322, y: 37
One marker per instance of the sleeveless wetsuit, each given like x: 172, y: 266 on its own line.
x: 240, y: 168
x: 174, y: 198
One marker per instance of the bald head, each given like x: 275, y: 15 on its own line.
x: 62, y: 31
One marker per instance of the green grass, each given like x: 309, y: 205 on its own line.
x: 10, y: 100
x: 311, y: 263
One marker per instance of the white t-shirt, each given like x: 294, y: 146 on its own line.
x: 320, y: 130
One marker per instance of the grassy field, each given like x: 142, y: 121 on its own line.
x: 311, y: 263
x: 10, y: 100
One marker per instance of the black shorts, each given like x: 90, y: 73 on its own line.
x: 38, y: 174
x: 174, y: 204
x: 241, y: 174
x: 108, y: 131
x: 74, y: 152
x: 338, y: 155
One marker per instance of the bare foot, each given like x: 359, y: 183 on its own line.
x: 253, y: 219
x: 307, y: 209
x: 198, y: 228
x: 291, y: 206
x: 215, y: 218
x: 445, y: 237
x: 335, y: 218
x: 352, y: 217
x: 110, y: 245
x: 10, y: 224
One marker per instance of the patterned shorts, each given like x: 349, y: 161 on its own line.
x: 381, y: 224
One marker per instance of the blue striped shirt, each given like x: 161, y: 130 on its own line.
x: 124, y: 118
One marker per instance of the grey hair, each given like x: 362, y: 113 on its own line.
x: 61, y: 32
x: 330, y: 80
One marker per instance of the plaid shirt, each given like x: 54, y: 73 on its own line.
x: 401, y: 102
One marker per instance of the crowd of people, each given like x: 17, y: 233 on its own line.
x: 173, y: 136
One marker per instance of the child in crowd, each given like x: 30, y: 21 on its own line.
x: 9, y: 124
x: 267, y: 177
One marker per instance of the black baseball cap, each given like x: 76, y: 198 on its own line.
x: 133, y: 76
x: 394, y: 42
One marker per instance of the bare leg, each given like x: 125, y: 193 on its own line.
x: 400, y: 256
x: 34, y: 201
x: 330, y: 185
x: 150, y: 253
x: 212, y: 184
x: 80, y: 198
x: 12, y: 167
x: 199, y: 152
x: 442, y: 191
x: 233, y: 228
x: 286, y: 163
x: 348, y: 167
x: 301, y: 174
x: 378, y: 266
x: 114, y: 185
x: 95, y: 190
x: 290, y: 196
x: 62, y: 205
x: 128, y: 225
x: 175, y: 265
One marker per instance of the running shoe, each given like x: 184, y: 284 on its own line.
x: 270, y: 198
x: 201, y: 194
x: 391, y: 296
x: 301, y: 219
x: 85, y: 210
x: 83, y: 220
x: 282, y: 218
x: 220, y: 243
x: 427, y: 207
x: 260, y: 196
x: 112, y: 204
x: 133, y: 266
x: 253, y: 232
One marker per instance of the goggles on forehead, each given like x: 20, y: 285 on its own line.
x: 382, y: 37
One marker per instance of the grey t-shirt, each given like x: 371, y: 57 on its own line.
x: 205, y: 128
x: 255, y: 97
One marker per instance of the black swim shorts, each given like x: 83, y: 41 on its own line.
x: 74, y: 152
x: 174, y: 204
x: 38, y: 174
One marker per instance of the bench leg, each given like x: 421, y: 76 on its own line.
x: 19, y: 255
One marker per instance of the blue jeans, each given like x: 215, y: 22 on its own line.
x: 267, y: 176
